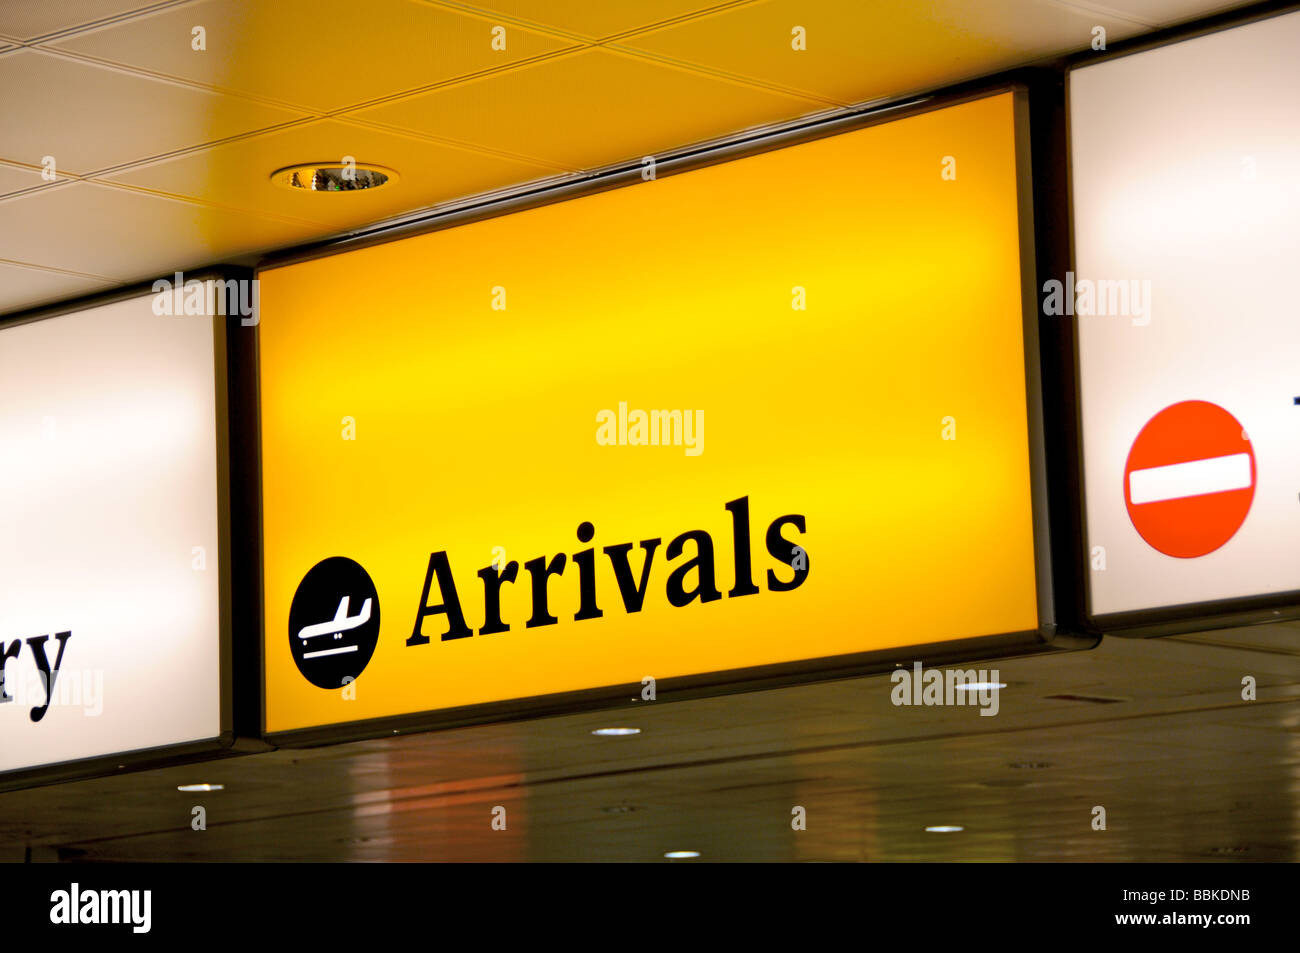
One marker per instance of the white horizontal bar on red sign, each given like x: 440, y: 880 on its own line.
x: 1193, y: 478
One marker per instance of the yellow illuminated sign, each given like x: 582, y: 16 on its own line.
x: 765, y: 411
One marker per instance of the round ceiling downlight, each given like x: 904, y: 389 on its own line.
x: 333, y: 177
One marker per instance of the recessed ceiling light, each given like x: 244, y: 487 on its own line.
x: 333, y: 177
x: 978, y: 686
x: 944, y: 829
x: 200, y: 787
x: 616, y: 732
x: 682, y: 854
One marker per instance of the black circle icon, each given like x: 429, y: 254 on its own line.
x: 334, y: 622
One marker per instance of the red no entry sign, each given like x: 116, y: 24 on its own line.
x: 1190, y: 479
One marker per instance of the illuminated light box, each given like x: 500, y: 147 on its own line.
x: 111, y: 553
x: 765, y: 416
x: 1185, y: 204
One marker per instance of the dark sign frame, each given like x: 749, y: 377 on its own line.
x: 230, y: 514
x: 1047, y: 637
x: 1186, y: 617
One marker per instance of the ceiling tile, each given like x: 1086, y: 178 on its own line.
x: 105, y: 118
x: 27, y: 21
x: 15, y: 179
x: 26, y: 287
x: 311, y: 52
x: 238, y: 173
x: 862, y: 52
x: 589, y: 109
x: 129, y: 235
x: 595, y: 20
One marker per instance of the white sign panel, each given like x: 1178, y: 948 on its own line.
x: 109, y: 546
x: 1185, y: 167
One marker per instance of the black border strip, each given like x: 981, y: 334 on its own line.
x: 245, y: 473
x: 1045, y: 638
x: 228, y: 517
x: 1187, y: 617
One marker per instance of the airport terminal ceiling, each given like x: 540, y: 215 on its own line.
x: 164, y: 121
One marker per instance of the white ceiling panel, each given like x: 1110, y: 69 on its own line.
x: 102, y: 118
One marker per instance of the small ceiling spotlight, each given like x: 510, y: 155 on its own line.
x: 682, y: 854
x: 189, y: 788
x: 944, y: 829
x: 616, y: 732
x: 333, y: 177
